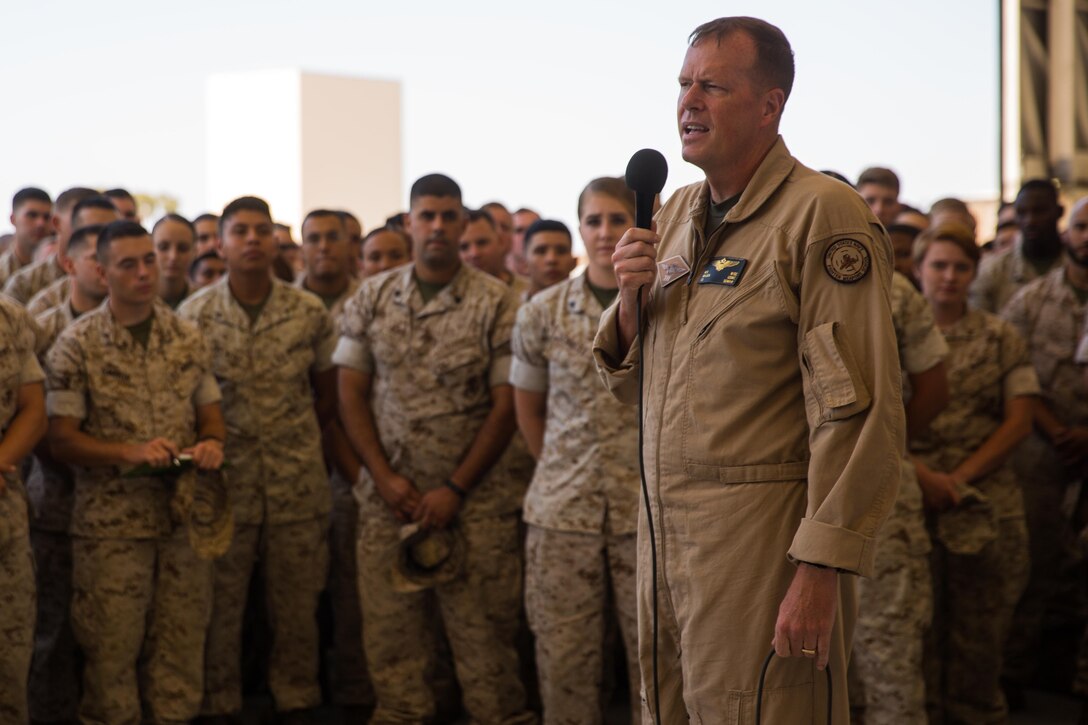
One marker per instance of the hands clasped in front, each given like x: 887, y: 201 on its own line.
x: 807, y: 615
x: 433, y: 510
x: 161, y: 452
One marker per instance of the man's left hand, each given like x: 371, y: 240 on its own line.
x: 207, y: 454
x: 807, y: 614
x: 437, y: 508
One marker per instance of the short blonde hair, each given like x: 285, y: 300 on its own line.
x: 950, y: 232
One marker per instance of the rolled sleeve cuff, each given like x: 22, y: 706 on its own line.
x: 207, y: 392
x: 65, y: 404
x: 31, y: 371
x: 619, y: 376
x: 1022, y: 381
x: 500, y: 371
x: 833, y: 546
x: 927, y: 355
x: 352, y: 354
x: 528, y: 377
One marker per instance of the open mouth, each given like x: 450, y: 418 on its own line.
x: 692, y: 130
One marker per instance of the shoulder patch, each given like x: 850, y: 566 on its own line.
x: 847, y: 261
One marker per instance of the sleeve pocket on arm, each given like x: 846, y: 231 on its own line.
x: 835, y: 389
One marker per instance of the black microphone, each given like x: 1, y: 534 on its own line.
x: 646, y: 174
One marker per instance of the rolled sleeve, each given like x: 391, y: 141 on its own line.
x: 619, y: 375
x: 1021, y: 380
x: 207, y: 391
x: 65, y: 404
x: 354, y: 354
x: 31, y: 371
x: 500, y: 371
x: 528, y: 377
x: 855, y: 434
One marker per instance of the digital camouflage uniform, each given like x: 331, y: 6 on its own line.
x: 33, y: 278
x: 18, y: 367
x: 433, y: 367
x: 1050, y: 318
x: 50, y: 297
x: 140, y: 593
x: 9, y: 264
x: 349, y: 679
x: 581, y: 507
x: 895, y: 606
x: 54, y: 673
x: 279, y: 485
x: 974, y: 595
x: 1000, y: 276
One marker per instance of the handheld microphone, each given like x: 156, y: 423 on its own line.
x: 646, y: 174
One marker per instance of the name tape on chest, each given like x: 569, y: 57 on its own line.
x: 847, y: 261
x: 725, y: 271
x: 672, y: 269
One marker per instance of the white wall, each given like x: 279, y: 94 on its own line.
x: 302, y: 141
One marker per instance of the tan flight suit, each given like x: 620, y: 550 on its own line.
x: 773, y: 429
x: 581, y: 507
x: 433, y: 366
x: 349, y: 679
x: 1050, y: 318
x: 49, y: 297
x: 18, y: 367
x: 54, y: 672
x: 33, y: 278
x: 278, y: 482
x: 895, y: 606
x: 140, y: 593
x: 975, y: 594
x: 1002, y: 275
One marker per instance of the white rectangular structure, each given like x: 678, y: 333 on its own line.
x: 303, y: 141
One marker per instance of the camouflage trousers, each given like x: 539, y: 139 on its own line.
x: 569, y: 577
x: 480, y: 610
x: 895, y: 608
x: 974, y: 598
x: 350, y: 680
x: 54, y: 671
x: 295, y: 561
x: 143, y: 601
x: 1056, y: 561
x: 17, y: 602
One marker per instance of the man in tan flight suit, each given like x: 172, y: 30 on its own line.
x: 773, y: 412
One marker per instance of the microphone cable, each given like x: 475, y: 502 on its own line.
x: 646, y: 501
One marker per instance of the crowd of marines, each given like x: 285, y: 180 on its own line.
x: 412, y: 421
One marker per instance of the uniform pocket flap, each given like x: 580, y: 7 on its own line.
x: 835, y: 379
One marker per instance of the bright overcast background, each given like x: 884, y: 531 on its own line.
x: 521, y: 102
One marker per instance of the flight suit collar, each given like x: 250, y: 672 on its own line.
x: 773, y: 171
